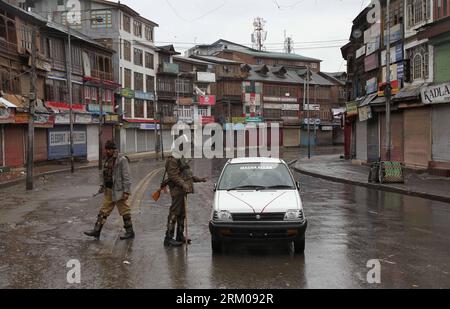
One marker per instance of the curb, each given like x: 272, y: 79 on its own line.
x: 378, y: 187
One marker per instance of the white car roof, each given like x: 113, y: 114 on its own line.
x: 255, y: 160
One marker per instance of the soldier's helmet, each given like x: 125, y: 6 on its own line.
x: 179, y: 152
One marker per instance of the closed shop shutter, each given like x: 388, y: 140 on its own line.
x: 361, y: 140
x: 141, y: 141
x: 167, y: 139
x: 14, y: 145
x: 442, y: 63
x: 441, y: 133
x: 291, y: 137
x: 373, y: 140
x: 92, y: 142
x: 40, y: 145
x: 397, y: 153
x: 59, y: 142
x: 417, y: 137
x: 150, y: 136
x: 131, y: 141
x: 1, y: 146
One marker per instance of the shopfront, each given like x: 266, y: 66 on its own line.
x: 417, y: 122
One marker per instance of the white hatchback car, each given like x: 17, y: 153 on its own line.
x: 257, y: 199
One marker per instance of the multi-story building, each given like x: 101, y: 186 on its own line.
x: 437, y: 95
x: 193, y: 87
x: 91, y: 80
x: 131, y: 36
x: 418, y: 63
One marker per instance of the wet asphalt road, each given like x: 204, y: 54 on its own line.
x: 348, y: 226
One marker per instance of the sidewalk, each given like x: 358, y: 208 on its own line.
x: 17, y: 176
x: 333, y: 168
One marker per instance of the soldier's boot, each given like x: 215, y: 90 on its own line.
x: 128, y: 225
x: 170, y: 242
x: 181, y: 238
x: 97, y: 228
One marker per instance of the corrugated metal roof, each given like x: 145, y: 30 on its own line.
x: 410, y: 92
x: 264, y: 54
x: 215, y: 59
x: 292, y: 76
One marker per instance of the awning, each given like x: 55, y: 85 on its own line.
x: 6, y: 103
x: 378, y: 101
x: 368, y: 99
x: 410, y: 92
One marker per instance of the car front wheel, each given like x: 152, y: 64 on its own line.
x: 299, y: 246
x: 216, y: 246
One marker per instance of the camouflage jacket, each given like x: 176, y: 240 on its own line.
x: 180, y: 176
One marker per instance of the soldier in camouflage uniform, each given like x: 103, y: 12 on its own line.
x: 181, y: 183
x: 117, y: 189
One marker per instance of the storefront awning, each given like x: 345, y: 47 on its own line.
x: 6, y: 103
x: 410, y: 92
x: 368, y: 99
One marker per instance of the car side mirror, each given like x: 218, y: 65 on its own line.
x: 298, y: 185
x: 215, y: 187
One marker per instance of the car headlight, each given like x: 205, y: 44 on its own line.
x: 294, y: 215
x: 222, y: 216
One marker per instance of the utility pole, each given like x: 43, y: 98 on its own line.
x: 31, y: 110
x: 69, y: 84
x: 100, y: 127
x: 388, y: 83
x: 309, y: 112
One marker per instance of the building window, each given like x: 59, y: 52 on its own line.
x: 419, y: 62
x: 77, y: 94
x: 127, y: 78
x: 183, y: 86
x: 138, y: 108
x: 127, y: 50
x: 149, y: 33
x: 126, y: 23
x: 149, y: 83
x: 149, y: 61
x: 137, y: 26
x: 56, y: 91
x: 150, y: 110
x: 167, y: 109
x: 418, y: 11
x: 101, y: 19
x: 90, y: 95
x: 138, y: 57
x: 138, y: 81
x: 127, y: 108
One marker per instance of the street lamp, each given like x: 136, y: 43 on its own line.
x: 69, y: 84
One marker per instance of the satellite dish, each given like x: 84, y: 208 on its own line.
x: 357, y: 34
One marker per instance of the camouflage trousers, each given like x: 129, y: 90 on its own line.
x: 177, y: 216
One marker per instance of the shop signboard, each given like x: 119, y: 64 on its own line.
x: 436, y: 94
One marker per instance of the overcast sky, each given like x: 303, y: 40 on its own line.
x: 185, y: 22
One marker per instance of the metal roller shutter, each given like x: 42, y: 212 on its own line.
x: 150, y: 136
x: 441, y: 133
x: 40, y: 145
x: 1, y: 146
x: 417, y: 137
x: 397, y: 153
x: 361, y: 140
x: 107, y: 135
x: 14, y: 146
x: 141, y: 141
x: 373, y: 140
x: 131, y: 141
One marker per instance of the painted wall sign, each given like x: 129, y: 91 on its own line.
x: 361, y: 52
x: 127, y: 93
x: 148, y: 126
x: 373, y: 45
x: 59, y: 142
x: 365, y: 113
x: 149, y: 96
x: 352, y: 108
x: 371, y: 62
x: 311, y: 107
x: 436, y: 94
x: 396, y: 55
x: 372, y: 85
x: 206, y: 77
x: 209, y: 100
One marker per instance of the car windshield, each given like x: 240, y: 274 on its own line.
x: 256, y: 176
